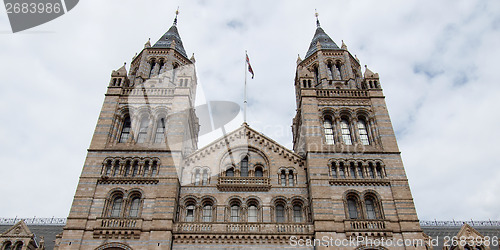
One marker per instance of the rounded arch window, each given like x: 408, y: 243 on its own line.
x: 297, y: 212
x: 346, y: 131
x: 352, y: 207
x: 190, y: 211
x: 235, y: 211
x: 127, y: 125
x: 259, y: 172
x: 252, y: 211
x: 328, y: 129
x: 244, y: 166
x: 134, y: 206
x: 19, y: 246
x: 363, y: 131
x: 230, y: 172
x: 280, y: 212
x: 116, y: 206
x: 207, y: 211
x: 7, y: 245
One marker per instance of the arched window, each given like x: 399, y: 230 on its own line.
x: 259, y: 172
x: 363, y: 133
x: 370, y: 209
x: 19, y: 245
x: 338, y: 68
x: 108, y: 168
x: 154, y: 168
x: 127, y: 169
x: 352, y: 171
x: 143, y: 130
x: 152, y: 67
x: 125, y: 135
x: 290, y: 178
x: 371, y: 172
x: 360, y: 171
x: 230, y: 172
x: 146, y: 168
x: 235, y: 213
x: 334, y: 170
x: 316, y: 74
x: 346, y: 131
x: 116, y: 206
x: 116, y: 168
x: 252, y: 211
x: 328, y: 126
x: 341, y: 170
x: 197, y: 177
x: 204, y: 178
x: 283, y: 178
x: 207, y: 212
x: 190, y: 213
x: 135, y: 169
x: 134, y: 207
x: 244, y: 167
x: 297, y: 213
x: 352, y: 207
x: 7, y: 245
x: 160, y: 131
x: 379, y: 171
x: 280, y: 213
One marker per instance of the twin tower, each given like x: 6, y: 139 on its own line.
x: 146, y: 185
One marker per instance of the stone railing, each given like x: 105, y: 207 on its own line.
x: 243, y: 184
x: 148, y: 92
x: 365, y: 225
x: 459, y: 223
x: 33, y: 221
x: 341, y: 93
x: 244, y: 228
x: 119, y: 223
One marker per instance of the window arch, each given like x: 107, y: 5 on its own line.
x: 291, y: 178
x: 341, y: 170
x: 190, y: 211
x: 328, y: 128
x: 109, y: 168
x: 353, y: 206
x: 346, y: 131
x: 7, y: 246
x: 160, y: 131
x: 279, y: 210
x: 125, y: 134
x: 363, y: 132
x: 283, y: 178
x: 352, y: 170
x: 116, y: 168
x: 143, y: 130
x: 372, y: 206
x: 253, y: 211
x: 234, y: 211
x: 298, y: 212
x: 207, y: 214
x: 334, y: 169
x: 204, y: 180
x: 230, y: 172
x: 116, y: 205
x: 244, y: 167
x: 19, y: 245
x: 371, y: 171
x: 127, y: 169
x: 259, y: 171
x: 360, y: 170
x: 135, y: 168
x: 197, y: 177
x: 135, y: 204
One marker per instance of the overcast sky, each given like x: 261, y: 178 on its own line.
x: 437, y: 60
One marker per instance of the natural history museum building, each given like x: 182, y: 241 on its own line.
x: 146, y: 185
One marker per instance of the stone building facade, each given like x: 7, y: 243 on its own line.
x: 146, y: 185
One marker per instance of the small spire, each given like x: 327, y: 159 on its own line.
x: 343, y: 45
x: 317, y: 19
x: 176, y: 14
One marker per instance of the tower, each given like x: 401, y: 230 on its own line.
x: 356, y: 179
x: 128, y: 189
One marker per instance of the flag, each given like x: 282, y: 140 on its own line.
x: 249, y: 66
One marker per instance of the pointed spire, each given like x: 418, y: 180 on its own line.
x: 369, y: 73
x: 320, y: 40
x: 172, y: 39
x: 148, y: 43
x: 343, y: 45
x: 299, y: 60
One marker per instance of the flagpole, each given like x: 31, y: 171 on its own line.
x: 245, y: 91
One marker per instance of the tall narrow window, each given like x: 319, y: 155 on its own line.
x: 190, y: 213
x: 370, y: 209
x: 371, y: 173
x: 283, y: 178
x: 151, y: 70
x: 146, y: 168
x: 290, y: 178
x: 244, y: 167
x: 116, y: 168
x: 297, y: 213
x: 316, y: 74
x: 154, y: 168
x: 346, y: 131
x: 363, y: 133
x: 143, y: 130
x: 328, y: 126
x: 360, y: 171
x: 134, y: 207
x: 207, y: 213
x: 352, y: 171
x: 108, y: 168
x: 379, y: 171
x: 230, y: 172
x: 116, y: 207
x: 204, y: 178
x: 235, y: 213
x: 19, y: 246
x: 252, y: 213
x: 334, y: 170
x: 352, y: 208
x: 125, y: 135
x: 280, y: 213
x: 135, y: 169
x: 258, y: 172
x: 160, y: 131
x: 341, y: 170
x: 127, y: 169
x: 197, y: 177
